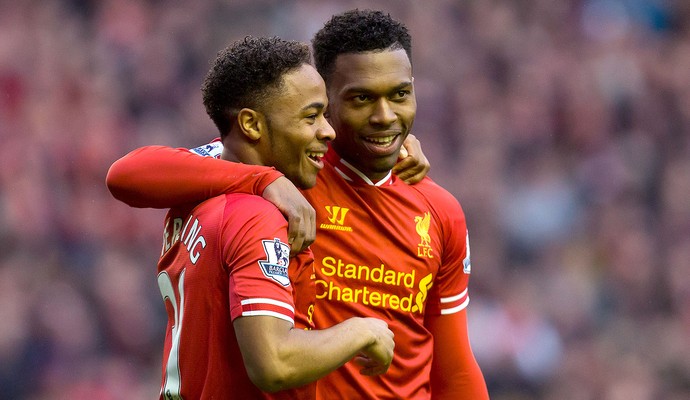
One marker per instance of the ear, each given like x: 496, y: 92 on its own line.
x: 251, y: 123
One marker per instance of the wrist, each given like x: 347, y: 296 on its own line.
x: 267, y: 177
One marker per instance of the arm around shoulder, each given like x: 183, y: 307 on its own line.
x: 164, y: 177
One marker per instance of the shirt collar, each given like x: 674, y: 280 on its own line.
x: 352, y: 174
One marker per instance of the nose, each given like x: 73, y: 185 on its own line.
x: 383, y: 113
x: 325, y: 131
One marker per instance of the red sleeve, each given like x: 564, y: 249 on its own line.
x: 455, y: 373
x: 256, y: 253
x: 164, y: 177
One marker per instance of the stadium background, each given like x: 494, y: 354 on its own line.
x: 562, y: 127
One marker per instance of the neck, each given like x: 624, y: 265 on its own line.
x: 372, y: 176
x: 240, y: 152
x: 351, y: 173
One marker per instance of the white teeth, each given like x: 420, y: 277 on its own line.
x: 381, y: 140
x: 313, y: 154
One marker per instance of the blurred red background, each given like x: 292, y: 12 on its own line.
x: 561, y: 126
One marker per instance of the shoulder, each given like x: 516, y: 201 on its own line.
x: 240, y: 209
x: 247, y: 206
x: 437, y: 196
x: 243, y: 217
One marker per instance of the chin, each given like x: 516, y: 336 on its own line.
x: 305, y: 183
x: 387, y: 164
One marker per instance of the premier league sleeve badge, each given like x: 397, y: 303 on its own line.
x: 275, y: 266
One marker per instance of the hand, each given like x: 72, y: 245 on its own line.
x: 412, y: 164
x: 377, y: 357
x: 299, y: 213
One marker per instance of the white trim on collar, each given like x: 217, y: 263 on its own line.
x: 365, y: 178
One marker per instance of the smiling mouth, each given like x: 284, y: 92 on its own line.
x: 381, y: 141
x: 316, y: 156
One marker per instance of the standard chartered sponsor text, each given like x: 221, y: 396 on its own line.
x: 332, y: 267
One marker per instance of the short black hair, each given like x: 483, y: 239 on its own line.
x: 245, y: 73
x: 358, y: 31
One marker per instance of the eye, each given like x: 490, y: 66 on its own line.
x: 362, y: 98
x: 401, y: 94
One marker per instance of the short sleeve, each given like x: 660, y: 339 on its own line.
x: 257, y: 257
x: 449, y: 293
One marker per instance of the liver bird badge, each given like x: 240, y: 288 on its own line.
x: 422, y: 228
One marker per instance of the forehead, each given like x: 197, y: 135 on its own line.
x: 371, y: 70
x: 301, y: 88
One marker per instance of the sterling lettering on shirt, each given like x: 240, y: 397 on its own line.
x: 190, y: 236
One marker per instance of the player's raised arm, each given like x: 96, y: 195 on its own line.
x: 165, y: 177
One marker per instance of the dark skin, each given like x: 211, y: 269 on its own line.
x: 372, y: 108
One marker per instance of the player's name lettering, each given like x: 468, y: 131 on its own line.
x: 332, y: 292
x: 331, y: 267
x: 336, y: 227
x: 190, y: 236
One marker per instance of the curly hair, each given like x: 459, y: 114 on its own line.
x: 246, y: 73
x: 357, y: 31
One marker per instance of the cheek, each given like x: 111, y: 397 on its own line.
x: 352, y: 122
x: 410, y: 112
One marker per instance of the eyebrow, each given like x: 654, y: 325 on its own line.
x: 316, y: 104
x: 400, y: 86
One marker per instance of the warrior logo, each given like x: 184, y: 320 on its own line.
x: 277, y: 259
x: 422, y: 226
x: 336, y: 217
x: 336, y: 214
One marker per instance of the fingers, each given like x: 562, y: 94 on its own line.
x: 300, y: 214
x: 413, y: 165
x: 310, y: 229
x: 301, y: 229
x: 370, y: 367
x: 377, y: 357
x: 409, y: 168
x: 403, y: 153
x: 296, y: 234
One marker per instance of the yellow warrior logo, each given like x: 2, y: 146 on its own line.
x: 336, y: 219
x: 422, y: 226
x: 336, y: 214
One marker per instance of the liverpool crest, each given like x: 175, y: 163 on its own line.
x: 422, y: 224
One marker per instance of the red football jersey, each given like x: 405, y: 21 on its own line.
x: 388, y: 250
x: 225, y: 258
x: 384, y: 249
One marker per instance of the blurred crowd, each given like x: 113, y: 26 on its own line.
x: 562, y: 126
